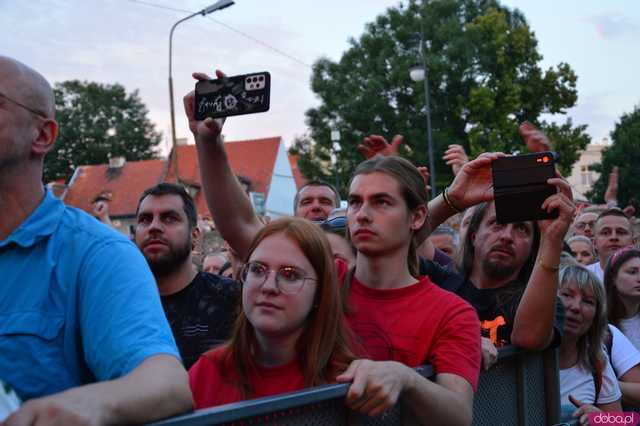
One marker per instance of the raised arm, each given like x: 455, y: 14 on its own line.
x: 472, y: 185
x: 228, y: 203
x: 533, y: 324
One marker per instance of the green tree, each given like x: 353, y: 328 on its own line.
x: 624, y: 152
x: 98, y: 121
x: 567, y: 141
x: 484, y: 79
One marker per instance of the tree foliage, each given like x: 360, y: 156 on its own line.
x: 624, y: 152
x: 98, y: 121
x: 484, y: 79
x: 568, y: 142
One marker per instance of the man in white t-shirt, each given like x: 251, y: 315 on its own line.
x: 613, y: 230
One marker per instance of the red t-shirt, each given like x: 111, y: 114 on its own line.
x: 210, y: 387
x: 415, y: 325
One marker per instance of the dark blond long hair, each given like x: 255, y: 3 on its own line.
x: 414, y: 193
x: 616, y: 310
x: 589, y: 345
x: 324, y: 347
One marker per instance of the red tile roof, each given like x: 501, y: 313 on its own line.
x: 252, y: 159
x: 297, y: 174
x: 124, y: 185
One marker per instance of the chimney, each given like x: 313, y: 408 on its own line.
x: 116, y: 162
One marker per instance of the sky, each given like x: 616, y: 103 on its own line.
x: 127, y: 42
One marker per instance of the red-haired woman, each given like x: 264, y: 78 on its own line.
x: 291, y: 332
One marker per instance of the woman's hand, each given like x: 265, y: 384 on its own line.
x: 583, y: 410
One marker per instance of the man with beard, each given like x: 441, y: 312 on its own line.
x: 511, y: 276
x: 200, y: 306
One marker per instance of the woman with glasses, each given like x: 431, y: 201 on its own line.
x: 291, y: 332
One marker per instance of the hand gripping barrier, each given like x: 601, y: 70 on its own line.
x: 521, y: 389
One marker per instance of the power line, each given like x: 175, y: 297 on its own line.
x: 228, y: 27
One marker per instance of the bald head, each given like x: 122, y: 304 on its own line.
x: 26, y: 86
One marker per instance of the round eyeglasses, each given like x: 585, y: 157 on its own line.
x: 289, y: 279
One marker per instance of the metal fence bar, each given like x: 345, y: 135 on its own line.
x: 329, y: 398
x: 257, y: 407
x: 552, y: 385
x: 521, y: 396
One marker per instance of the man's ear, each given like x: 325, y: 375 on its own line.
x: 45, y: 138
x: 195, y: 236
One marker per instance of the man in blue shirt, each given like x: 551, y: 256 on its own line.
x: 83, y: 336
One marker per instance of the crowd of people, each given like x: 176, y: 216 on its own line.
x: 98, y: 328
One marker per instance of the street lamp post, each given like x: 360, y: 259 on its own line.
x: 335, y: 146
x: 421, y: 73
x: 221, y: 4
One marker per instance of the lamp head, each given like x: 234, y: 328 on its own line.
x: 417, y: 73
x: 219, y: 5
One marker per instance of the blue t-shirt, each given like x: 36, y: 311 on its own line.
x: 78, y: 303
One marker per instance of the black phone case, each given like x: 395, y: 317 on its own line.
x: 520, y: 187
x: 237, y: 95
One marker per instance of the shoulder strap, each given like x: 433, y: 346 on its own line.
x: 597, y: 378
x: 608, y: 342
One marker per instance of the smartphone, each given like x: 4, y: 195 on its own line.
x: 237, y: 95
x: 520, y: 186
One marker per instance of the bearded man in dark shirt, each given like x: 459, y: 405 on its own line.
x: 200, y: 307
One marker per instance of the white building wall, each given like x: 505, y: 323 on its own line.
x: 582, y: 179
x: 282, y: 189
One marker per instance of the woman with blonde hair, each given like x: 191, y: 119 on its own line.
x: 291, y: 333
x: 587, y: 381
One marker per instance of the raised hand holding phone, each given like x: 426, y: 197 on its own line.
x: 209, y: 129
x: 229, y: 96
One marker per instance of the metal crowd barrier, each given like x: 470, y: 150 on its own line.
x: 521, y: 389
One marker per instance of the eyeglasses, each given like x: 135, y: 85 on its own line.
x: 289, y: 279
x: 582, y: 225
x: 31, y: 110
x: 338, y: 224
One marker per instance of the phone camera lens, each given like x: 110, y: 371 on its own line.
x: 261, y: 78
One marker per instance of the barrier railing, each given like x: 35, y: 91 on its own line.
x: 521, y: 389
